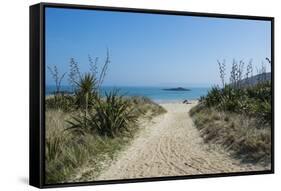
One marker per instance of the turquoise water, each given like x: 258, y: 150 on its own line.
x: 157, y: 94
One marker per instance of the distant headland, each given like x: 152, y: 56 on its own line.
x: 176, y: 89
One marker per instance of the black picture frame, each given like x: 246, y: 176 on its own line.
x: 37, y: 93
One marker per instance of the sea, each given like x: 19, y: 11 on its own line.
x: 157, y: 94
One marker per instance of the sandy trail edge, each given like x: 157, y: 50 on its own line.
x: 170, y: 145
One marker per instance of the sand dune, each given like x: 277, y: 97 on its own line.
x: 170, y: 145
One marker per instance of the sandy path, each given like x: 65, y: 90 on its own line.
x: 170, y: 145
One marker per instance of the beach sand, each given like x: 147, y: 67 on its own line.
x: 170, y: 145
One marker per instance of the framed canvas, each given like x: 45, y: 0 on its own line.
x: 121, y: 95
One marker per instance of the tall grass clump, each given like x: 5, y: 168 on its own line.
x: 86, y: 91
x: 67, y: 153
x: 112, y: 115
x: 84, y: 86
x: 57, y: 78
x: 109, y: 117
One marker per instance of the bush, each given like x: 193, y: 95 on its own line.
x: 250, y: 96
x: 254, y: 101
x: 86, y: 91
x: 112, y: 115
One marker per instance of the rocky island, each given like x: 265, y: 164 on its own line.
x: 176, y: 89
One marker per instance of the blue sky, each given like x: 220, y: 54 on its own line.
x: 152, y: 49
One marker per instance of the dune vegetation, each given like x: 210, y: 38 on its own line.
x: 85, y: 127
x: 237, y: 115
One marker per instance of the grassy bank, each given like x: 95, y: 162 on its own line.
x: 238, y: 115
x: 68, y: 151
x: 243, y: 136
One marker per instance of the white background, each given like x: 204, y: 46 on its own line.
x: 14, y: 88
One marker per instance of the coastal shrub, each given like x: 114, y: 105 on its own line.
x: 86, y: 91
x: 261, y: 91
x: 253, y: 101
x: 84, y: 86
x: 213, y: 97
x: 240, y: 96
x: 112, y: 115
